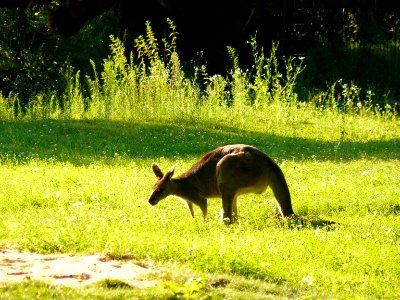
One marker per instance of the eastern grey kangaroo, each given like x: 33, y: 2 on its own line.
x: 227, y: 172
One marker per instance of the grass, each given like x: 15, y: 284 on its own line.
x: 75, y: 179
x: 81, y: 187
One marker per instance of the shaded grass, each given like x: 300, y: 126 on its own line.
x: 175, y: 285
x: 84, y: 142
x: 39, y: 290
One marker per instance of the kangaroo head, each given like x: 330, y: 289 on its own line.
x: 162, y: 187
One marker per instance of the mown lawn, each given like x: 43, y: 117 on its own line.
x: 81, y: 187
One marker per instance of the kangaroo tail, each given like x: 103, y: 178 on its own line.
x: 281, y: 192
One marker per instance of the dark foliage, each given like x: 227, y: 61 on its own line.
x: 354, y: 40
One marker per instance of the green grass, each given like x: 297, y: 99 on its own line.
x: 81, y: 187
x: 75, y: 176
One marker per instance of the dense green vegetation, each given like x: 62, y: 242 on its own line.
x: 75, y: 175
x: 351, y: 43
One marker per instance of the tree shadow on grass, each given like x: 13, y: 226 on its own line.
x: 85, y: 142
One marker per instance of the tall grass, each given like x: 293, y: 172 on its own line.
x: 152, y: 86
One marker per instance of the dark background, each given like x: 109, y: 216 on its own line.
x: 356, y: 41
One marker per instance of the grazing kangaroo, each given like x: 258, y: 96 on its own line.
x: 227, y: 172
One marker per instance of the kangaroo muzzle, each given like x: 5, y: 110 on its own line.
x: 153, y: 200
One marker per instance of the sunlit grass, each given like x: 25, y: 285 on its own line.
x: 82, y: 186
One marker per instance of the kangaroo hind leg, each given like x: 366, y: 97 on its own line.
x: 229, y: 208
x: 230, y: 179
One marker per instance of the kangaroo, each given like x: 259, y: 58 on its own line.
x: 226, y: 172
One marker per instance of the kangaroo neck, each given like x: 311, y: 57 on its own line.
x: 183, y: 187
x: 189, y: 184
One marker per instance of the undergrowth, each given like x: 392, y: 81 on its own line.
x: 152, y: 86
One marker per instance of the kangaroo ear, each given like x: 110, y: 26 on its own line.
x: 157, y: 171
x: 170, y: 173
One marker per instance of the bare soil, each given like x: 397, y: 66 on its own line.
x: 70, y: 270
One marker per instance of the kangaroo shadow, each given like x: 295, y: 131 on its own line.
x: 309, y: 222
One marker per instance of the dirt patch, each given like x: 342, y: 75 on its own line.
x: 70, y: 270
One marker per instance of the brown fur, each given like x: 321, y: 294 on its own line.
x: 226, y: 172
